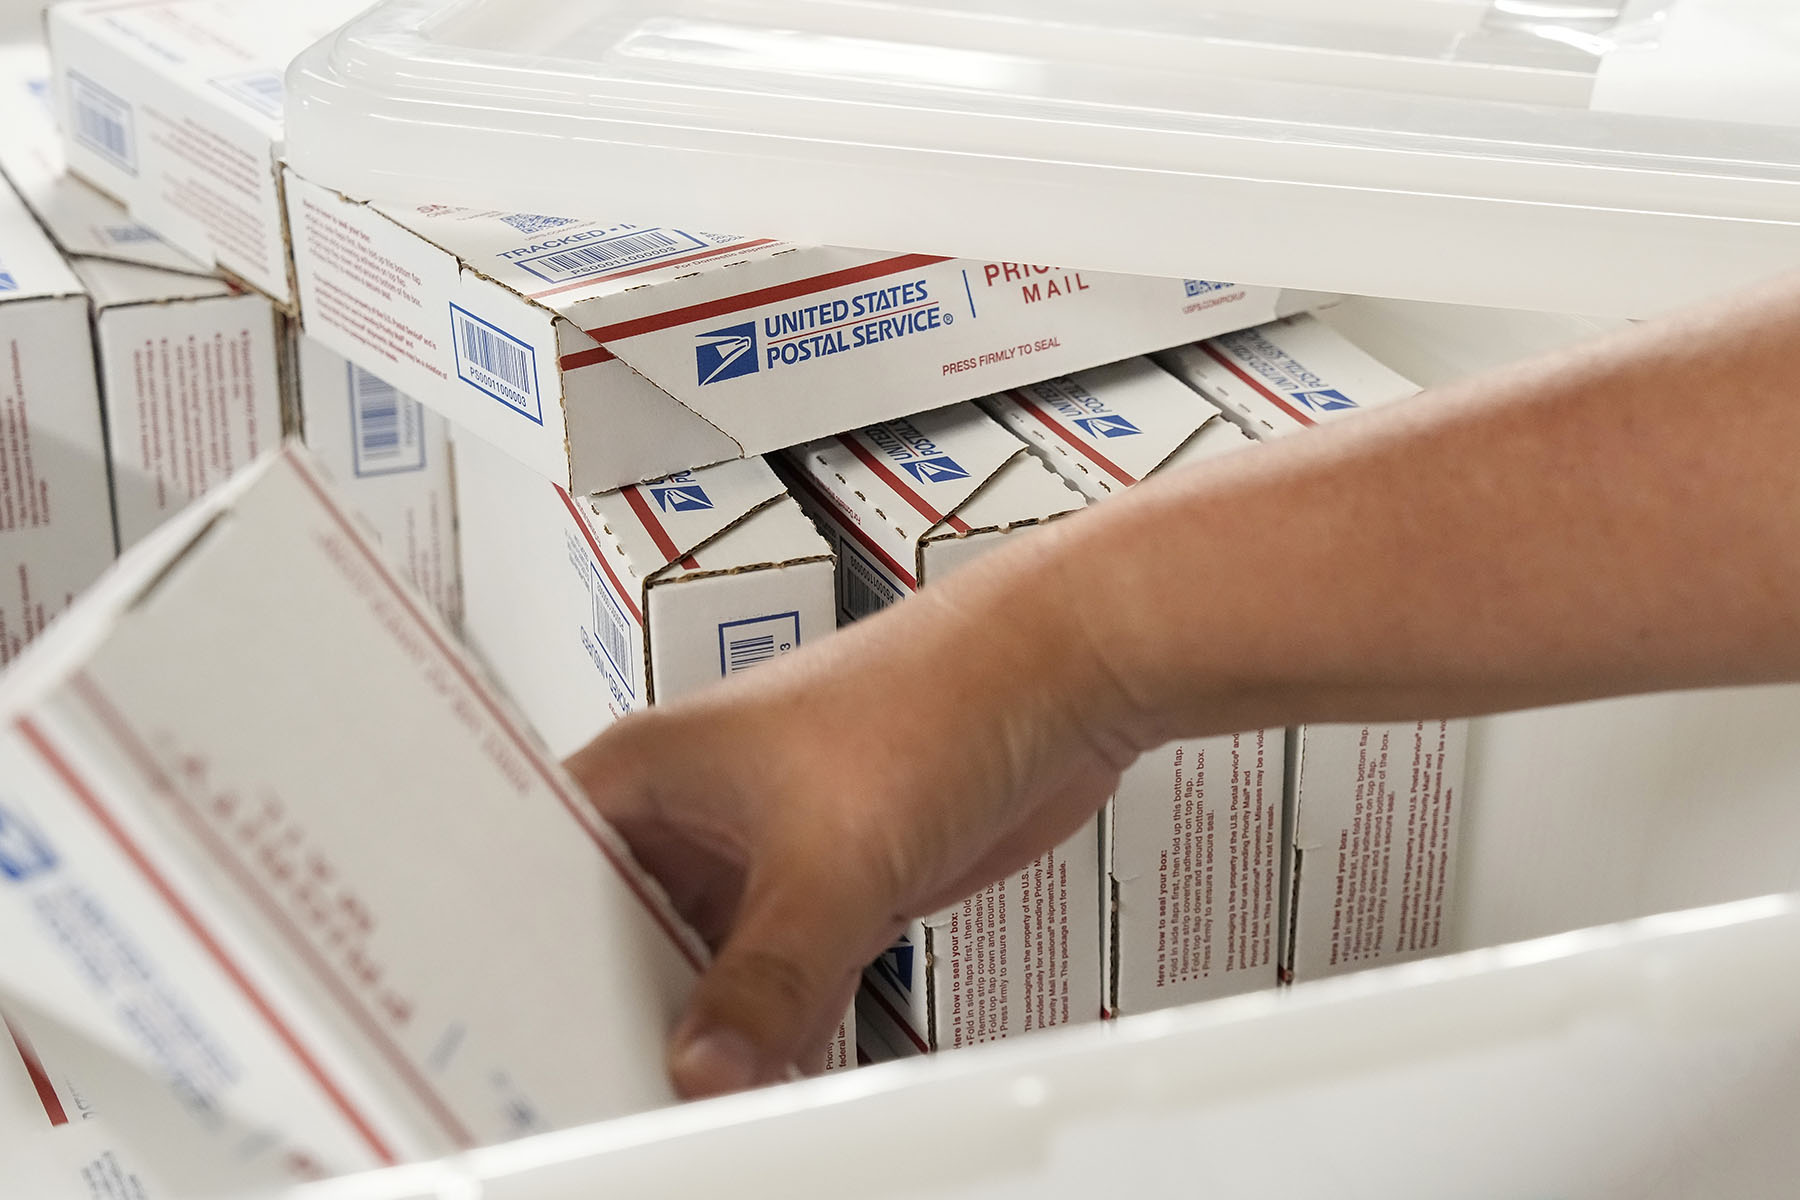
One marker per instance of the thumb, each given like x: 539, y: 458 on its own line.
x: 788, y: 962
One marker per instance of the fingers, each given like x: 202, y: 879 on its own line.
x: 778, y: 985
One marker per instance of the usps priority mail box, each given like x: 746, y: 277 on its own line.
x: 587, y: 608
x: 1191, y: 840
x: 174, y: 108
x: 905, y: 502
x: 390, y: 458
x: 1373, y: 810
x: 603, y: 354
x: 266, y: 836
x: 56, y: 522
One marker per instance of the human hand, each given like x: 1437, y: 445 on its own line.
x: 800, y: 815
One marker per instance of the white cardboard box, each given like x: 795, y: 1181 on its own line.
x: 1286, y: 376
x: 56, y: 523
x: 192, y: 374
x: 587, y: 609
x: 174, y: 108
x: 907, y: 502
x: 390, y: 457
x: 604, y: 354
x: 83, y: 222
x: 1191, y: 840
x: 1372, y: 810
x: 265, y: 835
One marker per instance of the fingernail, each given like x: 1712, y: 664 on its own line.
x: 715, y: 1062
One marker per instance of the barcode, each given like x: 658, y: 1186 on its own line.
x: 862, y: 586
x: 496, y: 362
x: 749, y: 652
x: 599, y: 257
x: 387, y: 425
x: 612, y: 632
x: 753, y: 642
x: 102, y: 122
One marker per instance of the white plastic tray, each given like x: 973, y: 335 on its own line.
x: 1424, y: 150
x: 1653, y: 1061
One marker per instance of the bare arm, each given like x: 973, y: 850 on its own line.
x: 1621, y: 518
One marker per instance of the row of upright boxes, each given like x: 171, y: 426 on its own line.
x: 188, y: 377
x: 609, y: 390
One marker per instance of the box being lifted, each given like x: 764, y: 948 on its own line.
x: 266, y: 837
x: 1190, y: 841
x: 56, y: 522
x: 907, y: 502
x: 1372, y: 810
x: 606, y: 354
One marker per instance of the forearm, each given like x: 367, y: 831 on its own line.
x: 1625, y: 517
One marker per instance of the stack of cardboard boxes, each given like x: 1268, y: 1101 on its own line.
x: 554, y: 428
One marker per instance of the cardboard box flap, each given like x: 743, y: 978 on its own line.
x: 82, y: 220
x: 570, y: 265
x: 1106, y: 428
x: 115, y: 284
x: 927, y: 467
x: 1296, y: 372
x: 778, y: 534
x: 132, y: 580
x: 1023, y: 491
x: 30, y: 267
x: 663, y: 522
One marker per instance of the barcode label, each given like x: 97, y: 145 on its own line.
x: 496, y: 362
x: 612, y: 632
x: 102, y: 122
x: 387, y: 427
x: 863, y: 587
x: 753, y: 642
x: 260, y: 90
x: 592, y: 259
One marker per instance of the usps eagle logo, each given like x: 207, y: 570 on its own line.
x: 940, y: 469
x: 728, y: 353
x: 1110, y: 426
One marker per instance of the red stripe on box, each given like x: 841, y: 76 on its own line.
x: 40, y: 1078
x: 1086, y: 451
x: 685, y: 943
x: 91, y: 802
x: 905, y: 1025
x: 665, y: 545
x: 904, y: 491
x: 683, y: 260
x: 854, y: 530
x: 588, y: 534
x: 1256, y: 384
x: 656, y: 322
x: 586, y: 358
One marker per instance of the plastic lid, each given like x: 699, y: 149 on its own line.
x: 1432, y: 149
